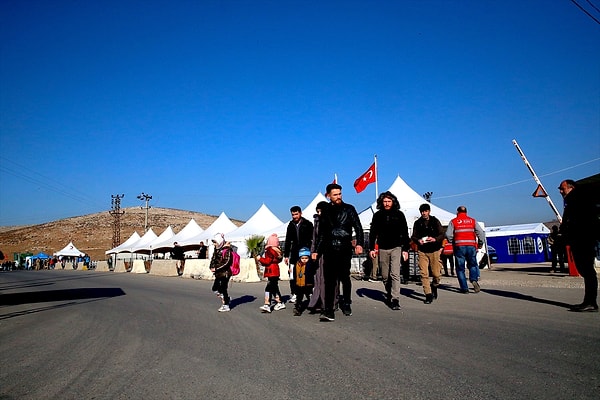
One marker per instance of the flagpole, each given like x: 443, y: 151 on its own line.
x: 376, y: 179
x: 537, y: 180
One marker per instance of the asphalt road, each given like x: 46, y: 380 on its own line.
x: 103, y: 335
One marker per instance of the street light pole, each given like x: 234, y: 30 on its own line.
x: 145, y: 197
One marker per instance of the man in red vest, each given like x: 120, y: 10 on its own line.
x: 465, y: 234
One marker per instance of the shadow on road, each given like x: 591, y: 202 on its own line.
x: 233, y: 303
x: 520, y: 296
x: 12, y: 299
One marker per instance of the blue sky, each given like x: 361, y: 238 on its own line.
x: 218, y: 106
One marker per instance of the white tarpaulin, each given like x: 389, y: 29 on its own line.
x: 69, y: 251
x: 125, y: 245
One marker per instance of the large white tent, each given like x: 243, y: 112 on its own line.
x: 126, y: 245
x: 221, y: 225
x: 163, y: 237
x: 409, y: 204
x: 263, y: 220
x: 190, y: 230
x: 144, y: 240
x: 69, y: 251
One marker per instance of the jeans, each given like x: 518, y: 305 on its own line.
x: 468, y: 255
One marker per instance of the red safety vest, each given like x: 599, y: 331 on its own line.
x: 464, y: 230
x: 448, y: 250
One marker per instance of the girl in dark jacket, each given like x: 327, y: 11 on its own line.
x: 220, y: 265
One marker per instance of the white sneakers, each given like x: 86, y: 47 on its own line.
x: 293, y: 299
x: 265, y: 308
x: 224, y: 308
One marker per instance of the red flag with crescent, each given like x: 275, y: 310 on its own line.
x: 365, y: 179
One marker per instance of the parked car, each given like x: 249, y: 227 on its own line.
x: 492, y: 254
x: 484, y: 257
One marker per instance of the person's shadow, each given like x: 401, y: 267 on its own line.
x: 525, y: 297
x: 379, y: 295
x: 233, y: 303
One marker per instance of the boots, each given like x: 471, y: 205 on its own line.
x: 428, y: 298
x: 434, y: 291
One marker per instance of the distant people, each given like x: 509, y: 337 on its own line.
x: 304, y: 273
x: 557, y: 248
x: 447, y: 257
x: 465, y: 234
x: 298, y: 234
x: 389, y: 231
x: 428, y: 235
x: 202, y: 251
x: 317, y: 300
x: 580, y: 231
x: 334, y: 244
x: 178, y: 254
x: 271, y: 259
x: 220, y: 266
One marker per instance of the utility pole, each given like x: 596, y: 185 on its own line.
x: 116, y: 212
x: 145, y: 197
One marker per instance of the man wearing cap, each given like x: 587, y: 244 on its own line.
x: 428, y: 235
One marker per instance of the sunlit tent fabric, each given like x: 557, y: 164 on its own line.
x: 163, y: 237
x: 69, y: 251
x: 262, y: 220
x: 41, y: 255
x: 308, y: 212
x: 144, y: 240
x: 190, y: 230
x: 221, y: 225
x: 409, y: 204
x: 125, y: 245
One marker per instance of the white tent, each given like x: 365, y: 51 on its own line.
x: 221, y: 225
x: 144, y: 240
x: 409, y: 204
x: 308, y: 212
x: 163, y: 237
x: 263, y: 220
x: 125, y: 245
x: 513, y: 230
x: 190, y: 230
x: 69, y: 251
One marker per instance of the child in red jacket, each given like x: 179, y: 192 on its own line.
x: 271, y: 259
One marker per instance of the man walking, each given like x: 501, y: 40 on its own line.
x: 390, y: 231
x: 334, y: 244
x: 298, y: 235
x: 428, y: 235
x: 464, y: 233
x: 580, y: 231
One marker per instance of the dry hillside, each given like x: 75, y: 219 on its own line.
x: 93, y: 233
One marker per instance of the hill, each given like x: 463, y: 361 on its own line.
x: 93, y: 233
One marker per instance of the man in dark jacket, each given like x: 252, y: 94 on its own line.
x: 178, y: 254
x: 580, y: 232
x: 428, y: 235
x: 298, y: 235
x: 334, y: 243
x: 390, y: 231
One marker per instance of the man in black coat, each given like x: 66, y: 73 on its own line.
x: 579, y: 229
x: 298, y: 235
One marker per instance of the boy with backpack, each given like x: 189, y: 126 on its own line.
x: 271, y: 259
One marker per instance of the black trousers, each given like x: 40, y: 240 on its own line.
x: 336, y: 270
x: 584, y: 255
x: 220, y: 285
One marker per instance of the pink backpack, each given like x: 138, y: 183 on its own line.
x: 235, y: 264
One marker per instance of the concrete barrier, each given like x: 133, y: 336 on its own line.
x: 164, y: 268
x: 121, y: 266
x: 139, y: 267
x: 102, y: 266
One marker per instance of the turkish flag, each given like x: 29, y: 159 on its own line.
x: 365, y: 179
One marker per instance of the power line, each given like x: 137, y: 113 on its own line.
x: 516, y: 183
x: 592, y: 4
x: 586, y: 12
